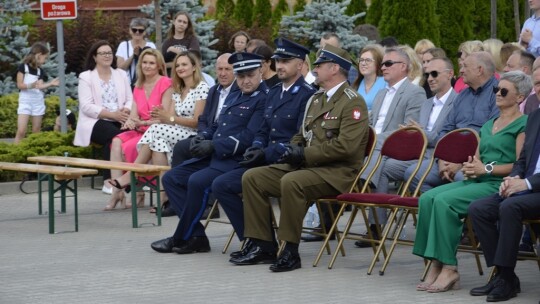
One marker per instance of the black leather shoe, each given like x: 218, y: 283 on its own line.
x: 367, y: 244
x: 486, y: 289
x: 207, y: 212
x: 287, y: 261
x: 169, y: 211
x: 503, y: 290
x: 306, y: 237
x: 244, y: 251
x: 256, y: 255
x: 165, y: 245
x: 193, y: 244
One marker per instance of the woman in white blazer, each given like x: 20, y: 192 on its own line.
x: 105, y: 100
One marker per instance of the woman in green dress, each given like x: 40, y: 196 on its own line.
x: 442, y: 209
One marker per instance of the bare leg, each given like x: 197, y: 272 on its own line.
x: 22, y: 125
x: 432, y: 275
x: 145, y: 154
x: 447, y: 279
x: 36, y: 124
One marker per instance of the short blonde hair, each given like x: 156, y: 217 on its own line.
x: 423, y: 45
x: 493, y: 46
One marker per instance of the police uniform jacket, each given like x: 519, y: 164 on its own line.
x: 339, y: 135
x: 237, y: 124
x: 282, y: 117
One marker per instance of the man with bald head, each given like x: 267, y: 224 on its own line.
x: 473, y: 107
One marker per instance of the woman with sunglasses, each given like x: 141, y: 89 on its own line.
x: 152, y: 89
x: 105, y: 101
x: 128, y: 51
x: 370, y: 80
x: 177, y: 122
x: 442, y: 209
x: 180, y: 37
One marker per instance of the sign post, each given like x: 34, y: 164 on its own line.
x: 59, y: 10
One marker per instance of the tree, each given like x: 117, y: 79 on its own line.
x: 224, y: 9
x: 374, y: 12
x: 203, y: 28
x: 262, y: 14
x: 454, y: 15
x: 299, y: 6
x: 319, y: 17
x: 410, y: 21
x: 282, y: 8
x: 356, y: 6
x: 243, y: 13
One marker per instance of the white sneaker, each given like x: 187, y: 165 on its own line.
x: 106, y: 190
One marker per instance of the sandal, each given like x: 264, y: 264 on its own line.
x: 115, y: 183
x: 164, y: 206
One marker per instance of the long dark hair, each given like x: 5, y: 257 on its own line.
x: 90, y: 62
x: 190, y: 30
x: 37, y: 48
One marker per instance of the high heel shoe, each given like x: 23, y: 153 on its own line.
x: 140, y: 200
x: 452, y: 285
x: 115, y: 183
x: 117, y: 197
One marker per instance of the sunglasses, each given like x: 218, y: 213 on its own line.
x: 389, y: 63
x: 504, y: 91
x: 433, y: 74
x: 136, y: 30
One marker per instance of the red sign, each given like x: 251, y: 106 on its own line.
x: 58, y: 9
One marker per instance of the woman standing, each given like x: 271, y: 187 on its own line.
x: 152, y: 90
x: 442, y: 209
x: 180, y: 37
x: 105, y: 100
x: 239, y: 41
x: 268, y: 67
x: 370, y: 79
x: 179, y: 121
x: 128, y: 51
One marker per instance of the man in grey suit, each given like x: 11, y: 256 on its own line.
x: 398, y: 104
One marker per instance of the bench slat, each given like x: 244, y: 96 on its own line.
x: 66, y: 172
x: 141, y: 169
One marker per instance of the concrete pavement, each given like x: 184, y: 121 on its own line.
x: 107, y: 261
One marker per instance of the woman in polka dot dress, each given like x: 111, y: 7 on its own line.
x: 189, y: 96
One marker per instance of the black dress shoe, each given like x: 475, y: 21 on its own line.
x: 165, y: 245
x: 207, y: 212
x: 486, y: 289
x: 306, y: 237
x: 169, y: 211
x: 287, y: 261
x: 244, y: 251
x: 366, y: 244
x: 193, y: 244
x: 503, y: 290
x: 256, y: 255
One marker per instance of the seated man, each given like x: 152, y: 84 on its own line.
x: 322, y: 159
x: 497, y: 220
x: 217, y: 150
x: 284, y: 111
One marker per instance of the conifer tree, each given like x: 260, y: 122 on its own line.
x: 203, y: 28
x: 224, y: 9
x: 262, y: 14
x: 319, y: 17
x: 374, y: 12
x: 454, y: 15
x: 281, y: 9
x: 410, y: 21
x: 357, y: 6
x: 243, y: 13
x: 299, y: 6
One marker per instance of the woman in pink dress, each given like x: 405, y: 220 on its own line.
x: 152, y: 90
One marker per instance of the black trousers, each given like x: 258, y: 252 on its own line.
x: 102, y: 134
x: 181, y: 152
x: 497, y: 223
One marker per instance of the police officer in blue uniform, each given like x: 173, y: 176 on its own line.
x: 283, y: 116
x: 217, y: 150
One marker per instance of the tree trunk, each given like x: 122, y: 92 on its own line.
x: 517, y: 23
x: 157, y: 19
x: 493, y: 18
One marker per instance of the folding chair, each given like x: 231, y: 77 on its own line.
x: 210, y: 219
x: 456, y: 146
x: 405, y: 144
x: 372, y: 140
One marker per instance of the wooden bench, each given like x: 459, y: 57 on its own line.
x: 149, y: 174
x: 61, y: 175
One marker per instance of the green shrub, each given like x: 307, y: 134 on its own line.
x: 40, y: 144
x: 8, y: 113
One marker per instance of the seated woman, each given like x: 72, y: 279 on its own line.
x: 370, y: 80
x: 105, y: 100
x: 179, y: 121
x: 152, y: 90
x: 442, y: 209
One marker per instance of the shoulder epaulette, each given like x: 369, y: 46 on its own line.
x: 350, y: 93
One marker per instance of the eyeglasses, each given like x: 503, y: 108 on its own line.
x: 504, y: 91
x: 137, y: 30
x: 389, y: 63
x: 458, y: 54
x: 433, y: 74
x: 105, y: 54
x: 365, y: 60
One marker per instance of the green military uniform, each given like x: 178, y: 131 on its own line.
x: 335, y: 134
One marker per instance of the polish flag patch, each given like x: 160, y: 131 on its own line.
x: 356, y: 114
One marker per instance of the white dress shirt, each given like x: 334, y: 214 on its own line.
x: 387, y: 101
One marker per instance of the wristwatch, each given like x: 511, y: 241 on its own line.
x: 489, y: 167
x: 171, y: 119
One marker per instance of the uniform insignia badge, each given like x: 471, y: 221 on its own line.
x: 356, y: 114
x: 295, y: 90
x: 316, y: 101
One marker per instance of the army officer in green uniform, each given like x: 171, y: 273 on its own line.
x: 322, y: 159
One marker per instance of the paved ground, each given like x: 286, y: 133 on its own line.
x: 109, y: 262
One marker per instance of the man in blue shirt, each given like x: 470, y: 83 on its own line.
x: 530, y: 34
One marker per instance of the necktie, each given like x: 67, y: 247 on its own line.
x: 534, y: 158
